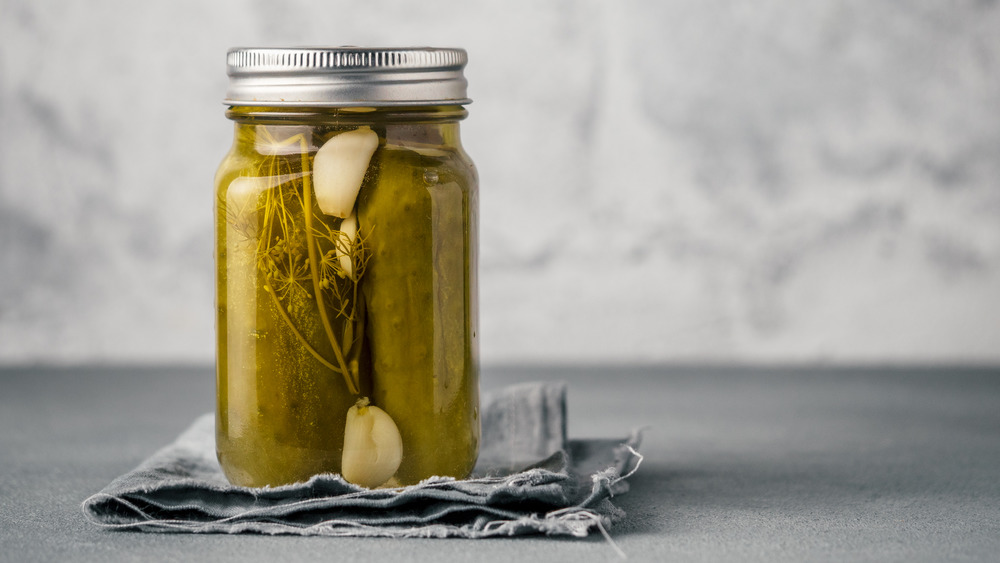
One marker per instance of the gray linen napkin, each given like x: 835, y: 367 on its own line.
x: 529, y: 480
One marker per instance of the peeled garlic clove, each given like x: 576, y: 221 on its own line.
x: 349, y: 228
x: 373, y: 448
x: 243, y: 193
x: 339, y: 168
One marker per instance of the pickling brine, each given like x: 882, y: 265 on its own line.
x: 347, y: 296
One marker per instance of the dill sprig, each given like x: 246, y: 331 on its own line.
x: 298, y: 252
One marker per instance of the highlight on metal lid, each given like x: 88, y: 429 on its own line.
x: 346, y: 76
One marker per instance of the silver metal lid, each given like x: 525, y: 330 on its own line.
x: 346, y: 76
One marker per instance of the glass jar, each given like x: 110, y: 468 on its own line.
x: 346, y: 255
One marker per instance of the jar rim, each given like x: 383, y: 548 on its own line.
x: 346, y: 76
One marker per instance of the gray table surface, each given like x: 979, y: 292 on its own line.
x: 742, y: 464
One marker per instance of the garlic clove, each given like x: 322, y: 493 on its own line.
x: 244, y: 192
x: 241, y: 197
x: 339, y: 169
x: 349, y: 228
x: 373, y: 448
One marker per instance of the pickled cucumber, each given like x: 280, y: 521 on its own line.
x: 415, y: 222
x: 281, y: 398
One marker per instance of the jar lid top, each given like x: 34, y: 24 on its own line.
x: 346, y: 76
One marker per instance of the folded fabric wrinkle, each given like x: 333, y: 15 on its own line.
x: 530, y: 479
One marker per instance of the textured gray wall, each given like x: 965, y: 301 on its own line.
x: 735, y: 181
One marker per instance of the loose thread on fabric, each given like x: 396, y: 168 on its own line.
x: 576, y: 513
x: 638, y: 462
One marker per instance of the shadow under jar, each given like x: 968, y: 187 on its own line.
x: 346, y: 256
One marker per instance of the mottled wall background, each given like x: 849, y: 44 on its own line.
x: 661, y: 180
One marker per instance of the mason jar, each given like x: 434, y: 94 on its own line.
x: 346, y: 260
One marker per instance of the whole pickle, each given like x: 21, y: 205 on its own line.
x: 414, y: 219
x: 281, y: 410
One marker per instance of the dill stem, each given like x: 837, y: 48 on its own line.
x: 295, y: 331
x: 314, y: 269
